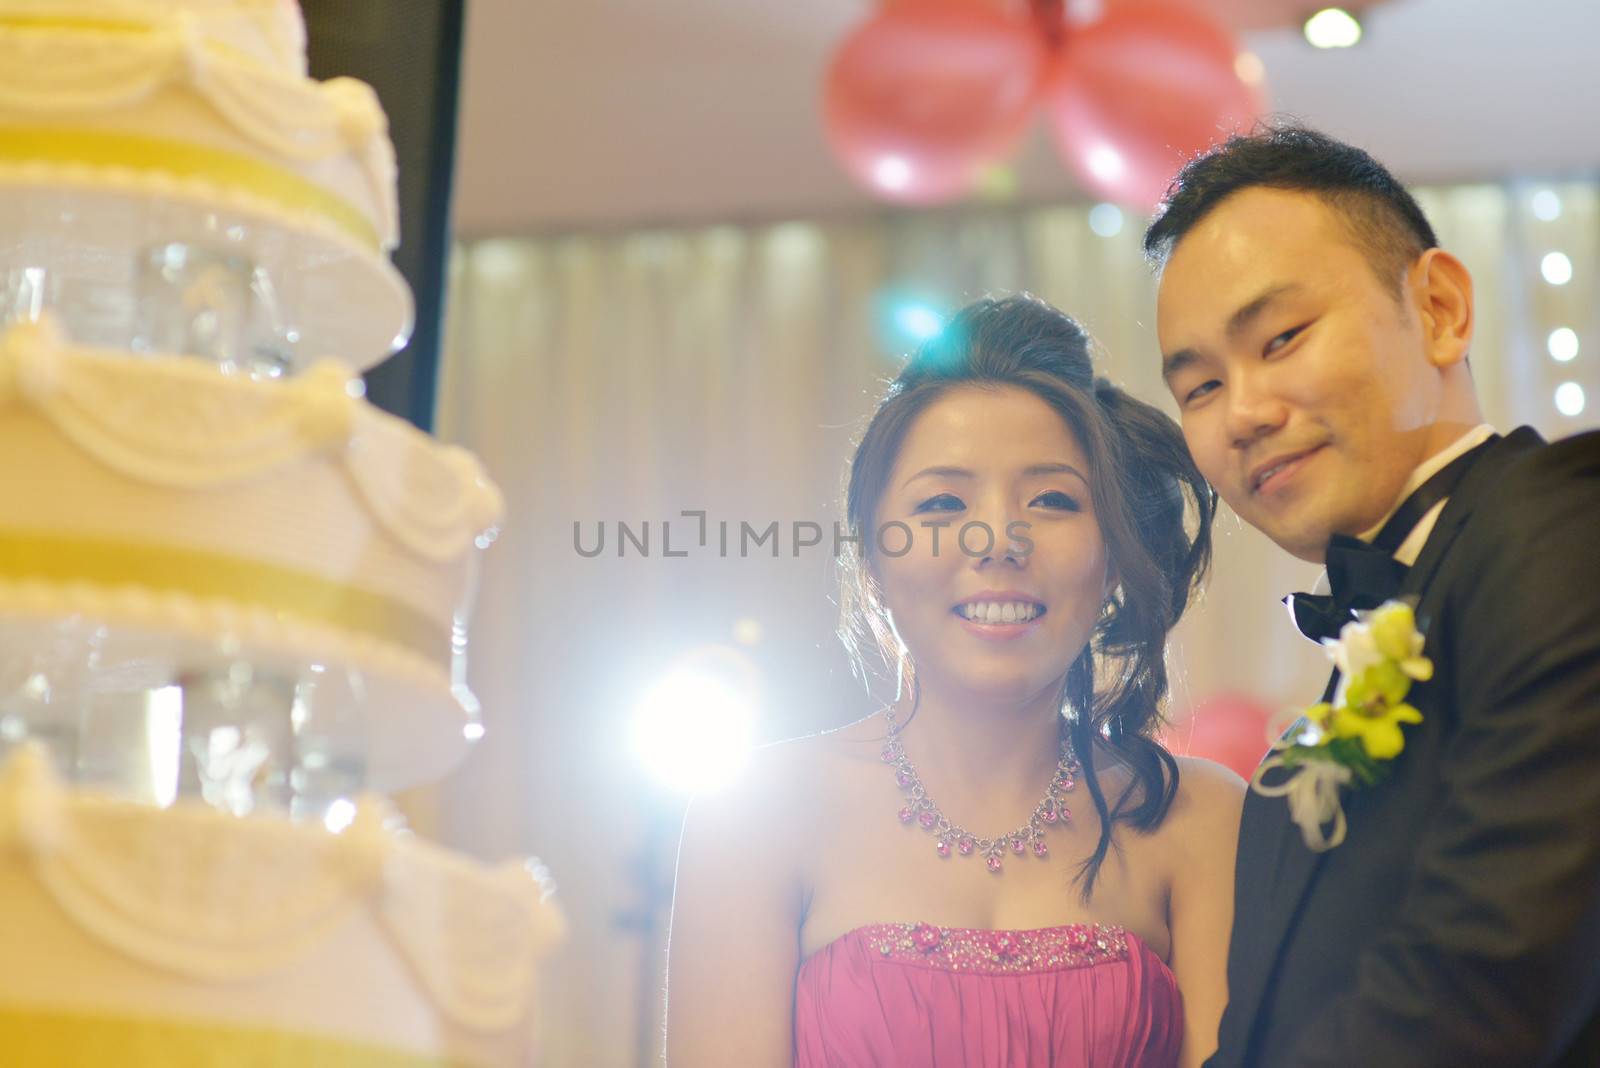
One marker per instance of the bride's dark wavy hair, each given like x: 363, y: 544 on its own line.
x: 1155, y: 513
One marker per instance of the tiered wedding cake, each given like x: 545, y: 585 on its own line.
x: 231, y: 591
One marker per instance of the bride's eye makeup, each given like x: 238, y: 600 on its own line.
x: 944, y: 502
x: 1058, y: 499
x: 949, y: 502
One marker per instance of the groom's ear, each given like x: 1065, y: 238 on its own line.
x: 1441, y: 287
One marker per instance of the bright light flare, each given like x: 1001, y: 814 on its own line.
x: 692, y: 731
x: 918, y: 321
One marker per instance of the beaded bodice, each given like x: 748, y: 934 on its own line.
x: 961, y: 949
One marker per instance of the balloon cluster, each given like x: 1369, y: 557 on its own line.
x: 926, y: 95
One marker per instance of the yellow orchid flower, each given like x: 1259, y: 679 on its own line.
x: 1379, y: 732
x: 1394, y: 627
x: 1381, y: 684
x: 1394, y: 631
x: 1417, y: 667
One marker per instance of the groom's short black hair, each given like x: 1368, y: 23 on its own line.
x: 1383, y: 219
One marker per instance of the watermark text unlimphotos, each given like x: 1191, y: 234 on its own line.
x: 743, y: 539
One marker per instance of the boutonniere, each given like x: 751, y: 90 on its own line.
x: 1350, y: 741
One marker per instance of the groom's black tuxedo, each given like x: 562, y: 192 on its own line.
x: 1458, y: 924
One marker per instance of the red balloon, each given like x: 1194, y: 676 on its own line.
x: 923, y: 95
x: 1142, y: 90
x: 1229, y: 728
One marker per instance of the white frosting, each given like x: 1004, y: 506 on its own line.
x: 175, y: 423
x: 226, y: 918
x: 178, y: 78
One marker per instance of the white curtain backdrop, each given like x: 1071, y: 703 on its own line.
x: 632, y: 376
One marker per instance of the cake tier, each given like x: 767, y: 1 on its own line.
x: 271, y: 32
x: 131, y: 102
x: 208, y: 518
x: 186, y: 929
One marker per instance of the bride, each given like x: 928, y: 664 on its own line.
x: 1003, y: 866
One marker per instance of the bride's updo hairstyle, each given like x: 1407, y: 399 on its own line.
x: 1155, y: 513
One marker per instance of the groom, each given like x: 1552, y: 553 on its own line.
x: 1316, y: 340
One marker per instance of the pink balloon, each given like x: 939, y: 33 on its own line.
x: 1229, y: 728
x: 924, y: 94
x: 1140, y: 91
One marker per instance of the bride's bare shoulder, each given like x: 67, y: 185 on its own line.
x: 1208, y: 787
x: 1208, y: 803
x: 792, y: 778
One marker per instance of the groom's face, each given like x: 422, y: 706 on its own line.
x: 1302, y: 381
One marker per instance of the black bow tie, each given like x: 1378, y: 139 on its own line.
x: 1362, y: 576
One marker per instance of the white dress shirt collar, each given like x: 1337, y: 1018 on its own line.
x: 1411, y: 547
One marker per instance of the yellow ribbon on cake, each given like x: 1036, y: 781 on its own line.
x: 37, y: 1039
x: 289, y: 594
x: 87, y: 22
x: 183, y: 159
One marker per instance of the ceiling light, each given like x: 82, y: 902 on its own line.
x: 1332, y: 27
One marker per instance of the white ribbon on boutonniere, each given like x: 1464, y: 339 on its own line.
x: 1351, y: 739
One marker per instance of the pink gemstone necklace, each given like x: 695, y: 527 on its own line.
x: 950, y: 837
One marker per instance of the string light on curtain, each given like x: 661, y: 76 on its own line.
x: 1558, y: 238
x: 1569, y: 399
x: 1546, y: 205
x: 1563, y: 344
x: 1556, y: 267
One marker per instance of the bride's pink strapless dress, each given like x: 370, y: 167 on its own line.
x: 946, y: 997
